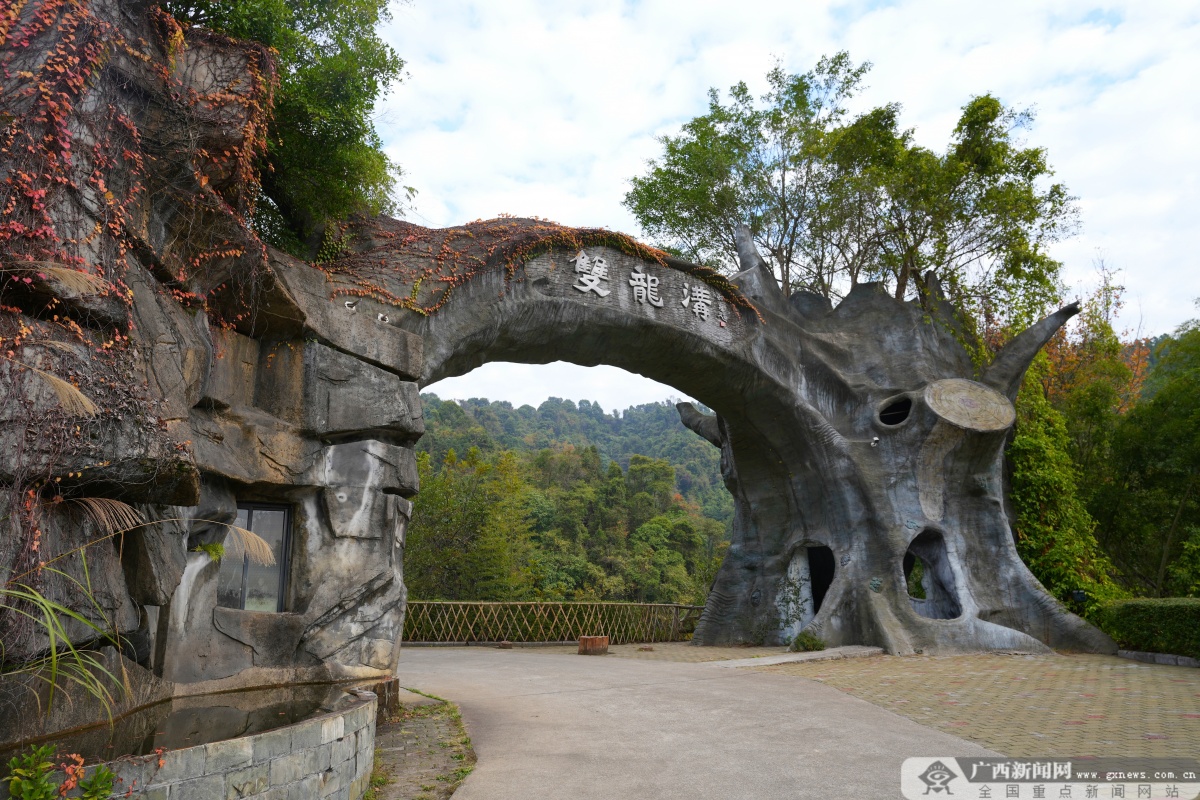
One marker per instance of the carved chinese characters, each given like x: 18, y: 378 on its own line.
x: 699, y: 298
x: 645, y: 287
x: 589, y: 272
x: 592, y: 277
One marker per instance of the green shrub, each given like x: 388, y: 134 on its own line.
x: 215, y: 550
x: 1154, y: 625
x: 30, y: 775
x: 805, y: 642
x: 99, y: 786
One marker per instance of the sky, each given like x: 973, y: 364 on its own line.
x: 547, y: 109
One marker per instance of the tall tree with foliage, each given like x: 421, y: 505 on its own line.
x: 832, y: 200
x: 1149, y: 505
x: 325, y: 160
x: 469, y: 539
x: 1055, y: 534
x: 1094, y: 378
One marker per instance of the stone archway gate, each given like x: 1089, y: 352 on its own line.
x: 860, y: 433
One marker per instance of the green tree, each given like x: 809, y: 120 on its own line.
x: 1149, y: 509
x: 555, y: 525
x: 768, y: 167
x: 832, y: 200
x: 469, y: 537
x: 1094, y: 378
x: 1054, y: 531
x: 652, y: 430
x: 325, y: 160
x: 650, y: 486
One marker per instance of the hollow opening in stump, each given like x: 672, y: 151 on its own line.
x: 896, y: 411
x: 820, y: 572
x: 932, y: 589
x: 914, y: 575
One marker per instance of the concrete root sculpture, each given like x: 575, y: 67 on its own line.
x: 856, y: 440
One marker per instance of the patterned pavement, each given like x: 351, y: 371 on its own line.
x: 673, y: 651
x: 1031, y: 706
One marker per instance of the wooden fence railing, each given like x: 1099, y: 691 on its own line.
x: 432, y: 621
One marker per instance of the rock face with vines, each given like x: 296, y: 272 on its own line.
x: 156, y: 370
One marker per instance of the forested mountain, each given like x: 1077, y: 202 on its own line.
x: 652, y: 430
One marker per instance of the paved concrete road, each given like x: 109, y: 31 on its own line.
x: 568, y: 726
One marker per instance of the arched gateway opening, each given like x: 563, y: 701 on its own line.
x: 817, y: 450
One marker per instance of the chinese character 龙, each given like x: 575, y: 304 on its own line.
x: 645, y: 287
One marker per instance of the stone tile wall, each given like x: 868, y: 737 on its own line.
x: 327, y: 756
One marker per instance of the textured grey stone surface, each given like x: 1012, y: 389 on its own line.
x: 278, y: 394
x: 153, y: 558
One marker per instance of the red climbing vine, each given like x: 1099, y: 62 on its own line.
x: 79, y: 185
x: 128, y: 145
x: 377, y: 256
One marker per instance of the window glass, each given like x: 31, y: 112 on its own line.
x: 242, y: 583
x: 229, y: 579
x: 262, y: 583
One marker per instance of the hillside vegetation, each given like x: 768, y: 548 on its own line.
x: 564, y: 502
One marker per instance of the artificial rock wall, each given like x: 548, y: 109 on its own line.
x: 855, y: 439
x: 218, y: 371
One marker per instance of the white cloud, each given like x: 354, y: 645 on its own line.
x: 530, y: 384
x: 548, y: 108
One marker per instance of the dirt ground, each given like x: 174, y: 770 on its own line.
x: 423, y: 753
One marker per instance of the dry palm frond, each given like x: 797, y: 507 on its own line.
x: 73, y: 401
x: 54, y: 344
x: 73, y: 280
x: 110, y: 516
x: 254, y: 546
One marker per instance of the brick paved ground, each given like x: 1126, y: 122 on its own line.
x: 423, y: 752
x: 1023, y: 705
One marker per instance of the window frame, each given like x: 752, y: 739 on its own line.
x: 284, y: 562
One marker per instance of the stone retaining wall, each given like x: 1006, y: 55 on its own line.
x: 327, y: 756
